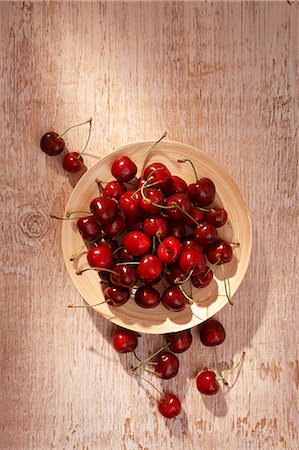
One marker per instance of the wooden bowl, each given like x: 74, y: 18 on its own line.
x: 207, y: 301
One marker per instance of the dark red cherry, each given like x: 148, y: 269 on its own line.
x: 212, y: 333
x: 169, y: 250
x: 111, y: 243
x: 177, y: 229
x: 104, y: 210
x: 137, y: 243
x: 202, y: 193
x: 124, y: 341
x: 192, y: 259
x: 152, y: 198
x: 167, y: 365
x: 155, y: 226
x: 197, y: 215
x: 124, y: 169
x: 202, y: 279
x: 205, y: 233
x: 183, y: 202
x: 207, y: 383
x: 72, y: 162
x: 169, y: 406
x: 100, y: 257
x: 147, y: 297
x: 159, y: 176
x: 116, y: 227
x: 124, y: 275
x: 174, y: 185
x: 129, y: 202
x: 52, y: 144
x: 190, y: 242
x: 124, y: 255
x: 134, y: 223
x: 116, y: 295
x: 88, y: 228
x: 173, y: 299
x: 179, y: 342
x: 150, y: 268
x: 219, y: 252
x: 216, y: 216
x: 114, y: 189
x: 173, y: 271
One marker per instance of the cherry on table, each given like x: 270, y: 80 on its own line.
x: 72, y: 162
x: 207, y: 383
x: 167, y: 365
x: 169, y: 406
x: 124, y: 341
x: 212, y: 333
x: 52, y: 144
x: 179, y: 342
x: 147, y: 297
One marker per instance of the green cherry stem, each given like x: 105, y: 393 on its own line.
x: 189, y: 299
x: 133, y: 369
x: 68, y: 216
x: 71, y: 305
x: 226, y: 285
x: 97, y: 269
x: 77, y: 253
x: 88, y: 139
x: 75, y: 126
x: 149, y: 149
x: 191, y: 162
x: 222, y: 378
x: 178, y: 280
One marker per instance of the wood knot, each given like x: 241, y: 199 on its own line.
x: 34, y: 224
x: 27, y: 7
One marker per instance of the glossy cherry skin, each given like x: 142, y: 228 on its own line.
x: 114, y: 189
x: 89, y: 229
x: 183, y: 202
x: 137, y: 243
x: 158, y: 176
x: 179, y: 342
x: 173, y: 299
x: 217, y: 217
x: 197, y: 215
x: 167, y: 365
x: 169, y: 406
x: 155, y: 226
x: 219, y: 252
x: 72, y: 162
x: 202, y: 279
x: 111, y: 243
x: 174, y: 185
x: 192, y: 259
x: 178, y: 230
x: 116, y: 295
x: 100, y: 257
x: 124, y: 341
x: 147, y: 297
x: 150, y: 268
x: 173, y: 272
x: 207, y: 383
x: 124, y: 255
x: 129, y: 202
x: 202, y: 193
x: 52, y: 144
x: 212, y: 333
x: 134, y: 223
x: 169, y: 250
x: 190, y: 242
x: 116, y: 227
x: 205, y: 233
x: 124, y: 169
x: 105, y: 210
x: 124, y: 275
x: 152, y: 196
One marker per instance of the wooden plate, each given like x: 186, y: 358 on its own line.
x: 207, y: 301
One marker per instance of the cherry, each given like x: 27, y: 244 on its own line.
x: 202, y: 193
x: 100, y: 257
x: 178, y: 230
x: 183, y: 206
x: 205, y: 233
x: 190, y: 242
x: 167, y: 365
x: 169, y: 250
x: 116, y: 295
x: 147, y: 297
x: 179, y: 342
x: 216, y: 216
x: 137, y: 243
x: 124, y: 275
x: 116, y: 227
x: 88, y: 228
x: 52, y: 144
x: 155, y: 226
x: 114, y: 189
x: 150, y: 268
x: 111, y: 243
x: 173, y: 272
x: 104, y: 210
x: 72, y: 162
x: 125, y: 255
x: 169, y: 406
x: 212, y: 333
x: 219, y: 252
x: 159, y: 176
x: 198, y: 217
x: 151, y: 198
x: 124, y: 341
x: 202, y: 279
x: 124, y: 169
x: 173, y: 299
x: 192, y: 259
x: 135, y: 223
x: 174, y: 185
x: 129, y: 202
x: 207, y: 383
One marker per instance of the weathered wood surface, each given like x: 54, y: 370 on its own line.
x: 217, y: 75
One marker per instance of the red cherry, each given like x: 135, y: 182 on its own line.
x: 167, y: 365
x: 158, y: 176
x: 72, y: 162
x: 152, y: 195
x: 212, y: 333
x: 173, y: 272
x: 124, y: 341
x: 192, y: 259
x: 202, y: 193
x: 169, y: 250
x: 197, y: 215
x: 190, y: 242
x: 202, y: 279
x: 124, y: 169
x: 207, y: 383
x: 178, y: 230
x: 124, y: 255
x: 147, y: 297
x: 216, y: 216
x: 174, y: 185
x: 104, y: 210
x: 129, y: 202
x: 116, y: 295
x: 219, y: 252
x: 137, y: 243
x: 179, y: 342
x: 52, y: 144
x: 134, y: 223
x: 100, y: 257
x: 150, y: 268
x: 114, y: 189
x: 183, y: 203
x: 111, y: 243
x: 124, y: 275
x: 88, y: 228
x: 173, y: 299
x: 116, y: 227
x: 205, y: 233
x: 169, y: 406
x: 155, y: 225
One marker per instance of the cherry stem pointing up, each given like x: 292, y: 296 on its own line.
x: 149, y: 149
x: 191, y: 162
x: 75, y: 126
x: 133, y: 370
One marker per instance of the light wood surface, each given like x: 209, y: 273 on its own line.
x: 221, y: 76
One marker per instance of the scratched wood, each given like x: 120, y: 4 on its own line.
x: 217, y: 75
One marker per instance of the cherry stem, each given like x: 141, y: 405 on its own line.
x: 149, y: 382
x: 149, y: 149
x: 189, y: 299
x: 131, y: 263
x: 71, y: 305
x: 133, y: 369
x: 77, y: 253
x: 218, y: 368
x: 140, y: 360
x: 191, y: 162
x: 97, y: 269
x: 226, y: 285
x: 68, y: 216
x: 99, y: 183
x: 187, y: 214
x: 75, y: 126
x: 87, y: 141
x: 118, y: 249
x: 179, y: 281
x: 213, y: 266
x: 233, y: 368
x: 161, y: 243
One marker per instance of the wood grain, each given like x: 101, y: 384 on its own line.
x: 221, y: 76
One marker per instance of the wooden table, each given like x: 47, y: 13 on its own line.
x: 217, y: 75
